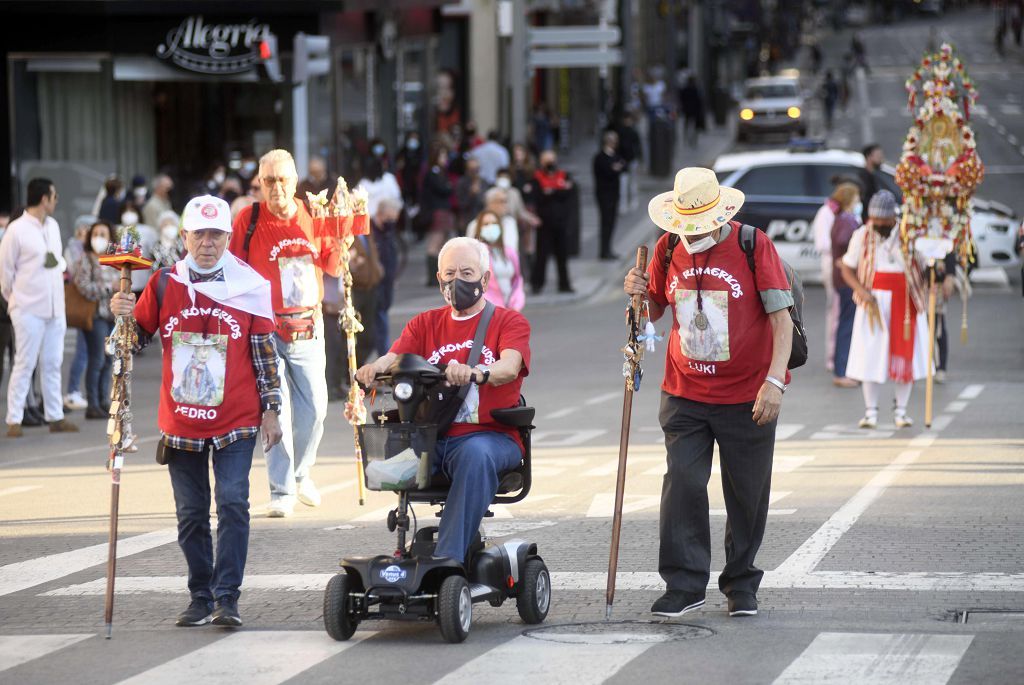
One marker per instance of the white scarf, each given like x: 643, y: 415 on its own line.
x: 242, y: 288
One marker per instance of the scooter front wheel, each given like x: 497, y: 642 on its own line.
x: 454, y: 609
x: 534, y: 597
x: 339, y: 623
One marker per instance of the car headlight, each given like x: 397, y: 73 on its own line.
x: 403, y: 391
x: 746, y: 114
x: 793, y: 112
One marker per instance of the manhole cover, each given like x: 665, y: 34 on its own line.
x: 619, y: 632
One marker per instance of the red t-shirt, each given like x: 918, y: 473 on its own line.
x: 439, y: 338
x: 289, y: 254
x: 726, y: 362
x: 207, y: 358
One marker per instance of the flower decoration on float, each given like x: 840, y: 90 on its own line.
x: 939, y: 169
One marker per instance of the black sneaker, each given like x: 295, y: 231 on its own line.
x: 226, y: 614
x: 197, y: 614
x: 742, y: 604
x: 677, y: 602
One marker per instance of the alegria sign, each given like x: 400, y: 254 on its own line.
x: 214, y: 48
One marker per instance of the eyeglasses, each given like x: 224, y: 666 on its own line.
x: 271, y: 181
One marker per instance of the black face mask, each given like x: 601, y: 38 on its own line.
x: 884, y: 231
x: 549, y: 168
x: 462, y: 295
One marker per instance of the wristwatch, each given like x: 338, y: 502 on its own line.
x: 486, y: 371
x: 272, y: 406
x: 777, y: 383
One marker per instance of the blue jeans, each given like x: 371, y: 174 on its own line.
x: 190, y: 480
x: 78, y: 362
x: 473, y: 463
x: 844, y: 331
x: 302, y: 367
x: 97, y: 373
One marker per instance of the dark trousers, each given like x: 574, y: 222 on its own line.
x: 608, y: 208
x: 844, y: 330
x: 551, y: 240
x: 190, y: 480
x: 746, y: 449
x: 334, y: 347
x: 97, y: 370
x: 941, y: 341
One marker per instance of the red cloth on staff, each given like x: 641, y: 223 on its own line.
x: 901, y: 346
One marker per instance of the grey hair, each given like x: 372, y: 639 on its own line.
x: 493, y: 193
x: 462, y: 241
x: 279, y: 155
x: 168, y: 217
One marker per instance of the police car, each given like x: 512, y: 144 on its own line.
x: 785, y: 188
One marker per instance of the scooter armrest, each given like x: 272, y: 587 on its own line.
x: 518, y: 417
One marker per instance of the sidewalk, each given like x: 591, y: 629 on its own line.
x: 590, y: 276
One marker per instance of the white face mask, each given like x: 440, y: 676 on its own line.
x: 702, y: 245
x: 99, y: 244
x: 490, y: 233
x: 129, y: 219
x: 168, y: 233
x: 503, y: 183
x: 858, y: 209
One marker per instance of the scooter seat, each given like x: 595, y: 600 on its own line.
x: 437, y: 491
x: 518, y: 417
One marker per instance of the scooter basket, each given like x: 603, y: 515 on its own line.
x: 396, y: 456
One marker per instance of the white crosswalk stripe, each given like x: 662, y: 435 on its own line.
x: 19, y: 649
x: 525, y: 659
x: 879, y: 659
x: 254, y: 658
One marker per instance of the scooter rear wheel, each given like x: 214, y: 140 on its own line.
x: 534, y: 597
x: 454, y: 609
x: 339, y: 624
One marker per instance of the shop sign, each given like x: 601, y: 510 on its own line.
x: 214, y: 48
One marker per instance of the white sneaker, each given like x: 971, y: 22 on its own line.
x: 74, y: 400
x: 308, y: 494
x: 870, y: 420
x: 280, y: 507
x: 902, y: 420
x: 940, y: 376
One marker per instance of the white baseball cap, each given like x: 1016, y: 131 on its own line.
x: 206, y: 211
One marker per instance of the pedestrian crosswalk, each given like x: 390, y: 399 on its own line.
x: 271, y: 657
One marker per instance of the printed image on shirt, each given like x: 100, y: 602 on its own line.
x: 703, y: 335
x: 469, y: 412
x: 198, y: 365
x: 298, y: 281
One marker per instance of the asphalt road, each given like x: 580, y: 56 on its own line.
x: 877, y: 541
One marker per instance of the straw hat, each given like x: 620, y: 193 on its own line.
x: 696, y: 205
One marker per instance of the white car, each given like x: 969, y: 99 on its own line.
x: 773, y: 104
x: 785, y: 188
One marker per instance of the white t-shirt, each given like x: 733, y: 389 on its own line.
x: 822, y: 228
x: 385, y: 186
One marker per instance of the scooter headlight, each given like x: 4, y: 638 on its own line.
x: 403, y: 391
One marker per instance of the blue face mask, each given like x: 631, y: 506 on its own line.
x: 858, y: 209
x: 190, y: 262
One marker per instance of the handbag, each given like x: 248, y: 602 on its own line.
x: 78, y: 311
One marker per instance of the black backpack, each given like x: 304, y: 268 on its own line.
x: 748, y: 241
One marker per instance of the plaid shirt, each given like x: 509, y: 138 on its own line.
x: 264, y: 360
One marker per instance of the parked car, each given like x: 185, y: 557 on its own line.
x: 784, y: 189
x: 773, y: 104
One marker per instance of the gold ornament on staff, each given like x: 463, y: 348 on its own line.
x: 938, y: 172
x: 125, y: 255
x: 344, y: 217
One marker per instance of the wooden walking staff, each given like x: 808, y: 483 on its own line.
x: 127, y: 256
x: 930, y: 383
x: 634, y: 354
x: 345, y: 218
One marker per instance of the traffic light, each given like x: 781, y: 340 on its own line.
x: 312, y: 57
x: 269, y: 58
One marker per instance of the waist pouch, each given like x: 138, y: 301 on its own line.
x: 301, y: 327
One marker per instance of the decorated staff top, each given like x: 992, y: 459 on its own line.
x: 344, y: 215
x: 127, y: 251
x: 939, y: 169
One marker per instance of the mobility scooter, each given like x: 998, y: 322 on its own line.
x: 412, y: 584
